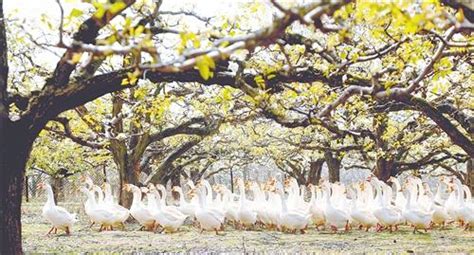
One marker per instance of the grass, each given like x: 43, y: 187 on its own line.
x: 83, y: 239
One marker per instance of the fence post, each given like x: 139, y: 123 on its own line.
x: 231, y: 180
x: 105, y: 173
x: 27, y: 191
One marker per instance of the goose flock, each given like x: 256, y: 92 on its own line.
x: 287, y: 207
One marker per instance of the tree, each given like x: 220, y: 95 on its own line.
x: 58, y: 158
x: 313, y: 64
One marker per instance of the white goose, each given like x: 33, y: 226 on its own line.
x: 335, y: 217
x: 206, y: 217
x: 109, y: 201
x: 187, y: 208
x: 274, y: 206
x: 316, y: 211
x: 138, y: 210
x: 292, y: 220
x: 400, y: 199
x: 170, y: 221
x: 59, y: 217
x: 247, y: 217
x: 106, y: 202
x: 168, y: 208
x: 260, y: 204
x: 231, y: 206
x: 415, y: 216
x: 464, y: 208
x: 440, y: 215
x: 105, y: 218
x: 386, y: 214
x: 361, y: 210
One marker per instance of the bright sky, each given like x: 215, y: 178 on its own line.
x: 30, y: 12
x: 34, y: 8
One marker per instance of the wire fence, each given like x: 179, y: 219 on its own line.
x: 64, y: 188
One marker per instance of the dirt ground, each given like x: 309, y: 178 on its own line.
x: 83, y: 239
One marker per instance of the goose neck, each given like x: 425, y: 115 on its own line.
x: 50, y: 196
x: 137, y: 197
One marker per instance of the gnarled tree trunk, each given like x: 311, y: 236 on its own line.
x: 14, y: 150
x: 470, y: 174
x: 334, y: 166
x: 385, y: 168
x: 127, y: 175
x: 315, y: 169
x: 57, y: 185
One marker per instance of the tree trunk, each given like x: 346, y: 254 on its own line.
x: 175, y: 178
x: 126, y: 173
x: 127, y: 176
x: 385, y: 168
x: 334, y: 166
x: 161, y: 177
x: 57, y: 185
x: 315, y: 169
x: 14, y: 152
x: 470, y: 174
x: 194, y: 175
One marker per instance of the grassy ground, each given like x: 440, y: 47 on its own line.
x: 84, y: 239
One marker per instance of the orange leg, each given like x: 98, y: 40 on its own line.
x: 51, y: 230
x: 347, y: 227
x: 466, y: 227
x: 378, y: 227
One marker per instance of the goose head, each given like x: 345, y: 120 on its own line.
x: 85, y: 178
x: 41, y: 185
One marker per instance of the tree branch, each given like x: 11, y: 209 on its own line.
x: 86, y: 34
x: 69, y: 134
x: 166, y: 163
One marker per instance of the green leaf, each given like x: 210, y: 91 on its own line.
x: 260, y: 82
x: 117, y: 7
x: 75, y: 13
x: 226, y: 94
x: 204, y: 64
x: 139, y: 30
x: 203, y: 70
x: 100, y: 12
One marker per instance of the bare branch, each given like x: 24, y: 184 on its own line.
x: 61, y: 23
